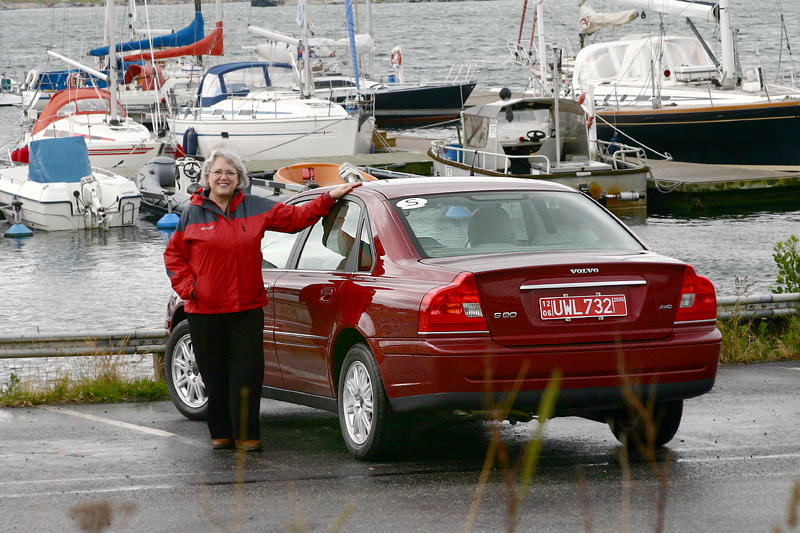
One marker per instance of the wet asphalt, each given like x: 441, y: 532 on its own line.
x: 145, y: 468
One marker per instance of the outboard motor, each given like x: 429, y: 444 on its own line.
x: 163, y: 168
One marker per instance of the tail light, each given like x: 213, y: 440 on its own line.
x: 453, y: 308
x: 698, y: 299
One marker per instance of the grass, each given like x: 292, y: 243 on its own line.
x: 103, y: 378
x: 746, y: 341
x: 65, y: 390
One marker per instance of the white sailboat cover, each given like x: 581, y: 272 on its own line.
x: 590, y: 20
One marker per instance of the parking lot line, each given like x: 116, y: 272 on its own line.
x: 109, y: 421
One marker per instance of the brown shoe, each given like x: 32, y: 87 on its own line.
x: 221, y: 444
x: 253, y: 445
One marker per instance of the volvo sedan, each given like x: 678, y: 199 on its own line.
x: 437, y: 294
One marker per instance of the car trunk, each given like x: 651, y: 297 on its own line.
x: 554, y: 299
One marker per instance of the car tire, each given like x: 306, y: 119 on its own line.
x: 186, y: 388
x: 631, y: 427
x: 365, y: 416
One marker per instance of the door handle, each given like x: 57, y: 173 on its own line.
x: 325, y: 294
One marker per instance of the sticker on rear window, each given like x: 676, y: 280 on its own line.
x: 412, y: 203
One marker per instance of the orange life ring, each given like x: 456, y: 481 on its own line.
x: 589, y: 121
x: 581, y: 98
x: 397, y: 58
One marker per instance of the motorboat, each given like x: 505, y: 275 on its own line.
x: 114, y: 140
x: 9, y: 91
x: 321, y: 174
x: 237, y: 103
x: 167, y: 184
x: 547, y: 139
x: 60, y: 190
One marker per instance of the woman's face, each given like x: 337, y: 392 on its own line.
x: 222, y: 178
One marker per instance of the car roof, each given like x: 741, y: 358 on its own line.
x: 401, y: 187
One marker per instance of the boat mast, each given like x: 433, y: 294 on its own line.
x: 113, y: 117
x: 371, y: 55
x: 306, y: 87
x: 729, y: 73
x: 556, y: 79
x: 542, y: 51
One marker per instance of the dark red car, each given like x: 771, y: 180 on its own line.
x: 434, y: 293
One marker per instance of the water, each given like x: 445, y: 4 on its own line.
x: 90, y: 281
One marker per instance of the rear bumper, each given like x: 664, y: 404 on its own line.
x: 441, y: 373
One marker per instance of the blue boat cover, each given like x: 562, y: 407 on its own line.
x: 59, y: 160
x: 188, y: 35
x: 224, y: 68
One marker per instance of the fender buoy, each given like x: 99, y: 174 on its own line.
x: 20, y: 155
x: 397, y: 58
x: 190, y: 142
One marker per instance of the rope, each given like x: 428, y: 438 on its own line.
x: 522, y: 22
x: 533, y: 30
x: 299, y: 137
x: 665, y: 155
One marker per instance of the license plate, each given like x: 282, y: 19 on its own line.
x: 568, y: 307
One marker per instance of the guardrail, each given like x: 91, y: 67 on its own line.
x: 139, y: 341
x: 152, y: 341
x: 758, y: 305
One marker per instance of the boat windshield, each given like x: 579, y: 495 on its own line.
x: 470, y: 223
x: 85, y: 105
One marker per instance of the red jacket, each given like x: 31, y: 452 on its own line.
x: 213, y: 260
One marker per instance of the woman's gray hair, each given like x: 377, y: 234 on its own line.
x: 232, y: 156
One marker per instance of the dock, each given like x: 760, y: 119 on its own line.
x: 697, y: 189
x: 689, y: 189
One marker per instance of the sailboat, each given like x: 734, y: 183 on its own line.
x: 114, y: 140
x: 394, y: 99
x: 147, y: 78
x: 238, y: 103
x: 673, y: 95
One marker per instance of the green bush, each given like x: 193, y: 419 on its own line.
x: 787, y: 257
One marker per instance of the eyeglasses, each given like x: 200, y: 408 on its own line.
x: 227, y: 173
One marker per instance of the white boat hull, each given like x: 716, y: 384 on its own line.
x: 128, y: 145
x: 265, y: 139
x: 103, y: 201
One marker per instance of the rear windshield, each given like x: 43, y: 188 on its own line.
x: 446, y: 225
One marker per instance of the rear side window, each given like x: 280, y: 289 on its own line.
x: 331, y: 240
x: 446, y: 225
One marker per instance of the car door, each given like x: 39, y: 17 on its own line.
x: 276, y: 250
x: 306, y: 299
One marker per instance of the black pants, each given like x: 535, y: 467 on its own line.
x: 229, y: 349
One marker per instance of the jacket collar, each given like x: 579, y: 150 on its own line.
x: 200, y: 198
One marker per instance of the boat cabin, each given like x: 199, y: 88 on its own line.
x: 239, y: 79
x: 518, y: 136
x: 71, y: 102
x: 677, y: 58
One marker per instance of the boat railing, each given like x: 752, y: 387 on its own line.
x: 621, y: 156
x: 474, y: 158
x: 461, y: 73
x: 521, y: 56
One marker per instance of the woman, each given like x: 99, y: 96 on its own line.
x: 214, y: 263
